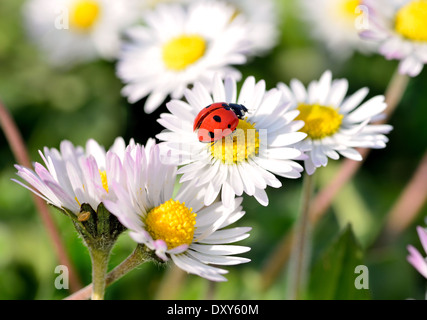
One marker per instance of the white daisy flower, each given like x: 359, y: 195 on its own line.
x: 400, y: 28
x: 176, y: 226
x: 335, y: 125
x: 76, y: 31
x: 336, y: 23
x: 263, y: 22
x: 261, y: 17
x: 72, y: 176
x: 178, y: 46
x: 246, y: 160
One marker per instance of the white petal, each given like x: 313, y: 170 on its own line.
x: 218, y: 90
x: 220, y: 249
x: 235, y: 180
x: 324, y: 87
x: 351, y: 154
x: 247, y: 91
x: 154, y: 100
x: 337, y: 94
x: 218, y: 260
x: 367, y: 110
x: 298, y: 90
x: 193, y: 266
x: 261, y: 197
x: 287, y: 139
x: 227, y: 194
x: 230, y: 89
x: 354, y: 100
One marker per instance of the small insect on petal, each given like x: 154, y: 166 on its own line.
x: 84, y: 216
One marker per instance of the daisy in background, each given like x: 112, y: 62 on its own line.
x: 72, y: 176
x: 337, y: 23
x: 70, y: 32
x: 400, y: 29
x: 178, y: 46
x: 415, y: 258
x: 261, y: 16
x: 263, y: 21
x: 246, y: 160
x: 334, y: 124
x: 176, y: 226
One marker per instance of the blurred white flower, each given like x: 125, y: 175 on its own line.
x: 335, y: 23
x: 70, y: 32
x: 400, y: 29
x: 262, y: 18
x: 178, y: 46
x: 335, y: 125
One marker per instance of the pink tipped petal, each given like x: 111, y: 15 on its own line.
x: 417, y: 261
x: 422, y: 233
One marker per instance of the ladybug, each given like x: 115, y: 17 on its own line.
x: 218, y: 116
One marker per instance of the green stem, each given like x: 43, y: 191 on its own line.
x: 299, y: 260
x: 138, y: 257
x: 100, y: 257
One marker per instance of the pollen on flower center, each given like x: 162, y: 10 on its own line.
x: 411, y: 20
x: 171, y: 222
x: 103, y: 175
x: 84, y: 14
x: 320, y: 121
x: 239, y: 146
x: 180, y: 52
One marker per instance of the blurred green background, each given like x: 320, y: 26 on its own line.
x: 50, y: 105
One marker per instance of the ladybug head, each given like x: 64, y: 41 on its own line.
x: 239, y: 109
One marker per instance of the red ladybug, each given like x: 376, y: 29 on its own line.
x: 218, y: 120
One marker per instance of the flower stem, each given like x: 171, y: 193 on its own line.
x: 20, y: 153
x: 409, y: 203
x: 100, y: 258
x: 138, y: 257
x: 300, y: 253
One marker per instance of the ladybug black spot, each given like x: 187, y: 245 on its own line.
x: 229, y: 126
x: 217, y: 118
x: 211, y: 134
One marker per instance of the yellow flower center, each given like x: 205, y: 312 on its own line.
x: 183, y: 51
x: 320, y: 121
x: 103, y: 175
x: 239, y: 146
x: 171, y: 222
x: 84, y: 14
x: 411, y: 20
x: 348, y: 7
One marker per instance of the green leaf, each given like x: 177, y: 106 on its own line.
x: 334, y: 275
